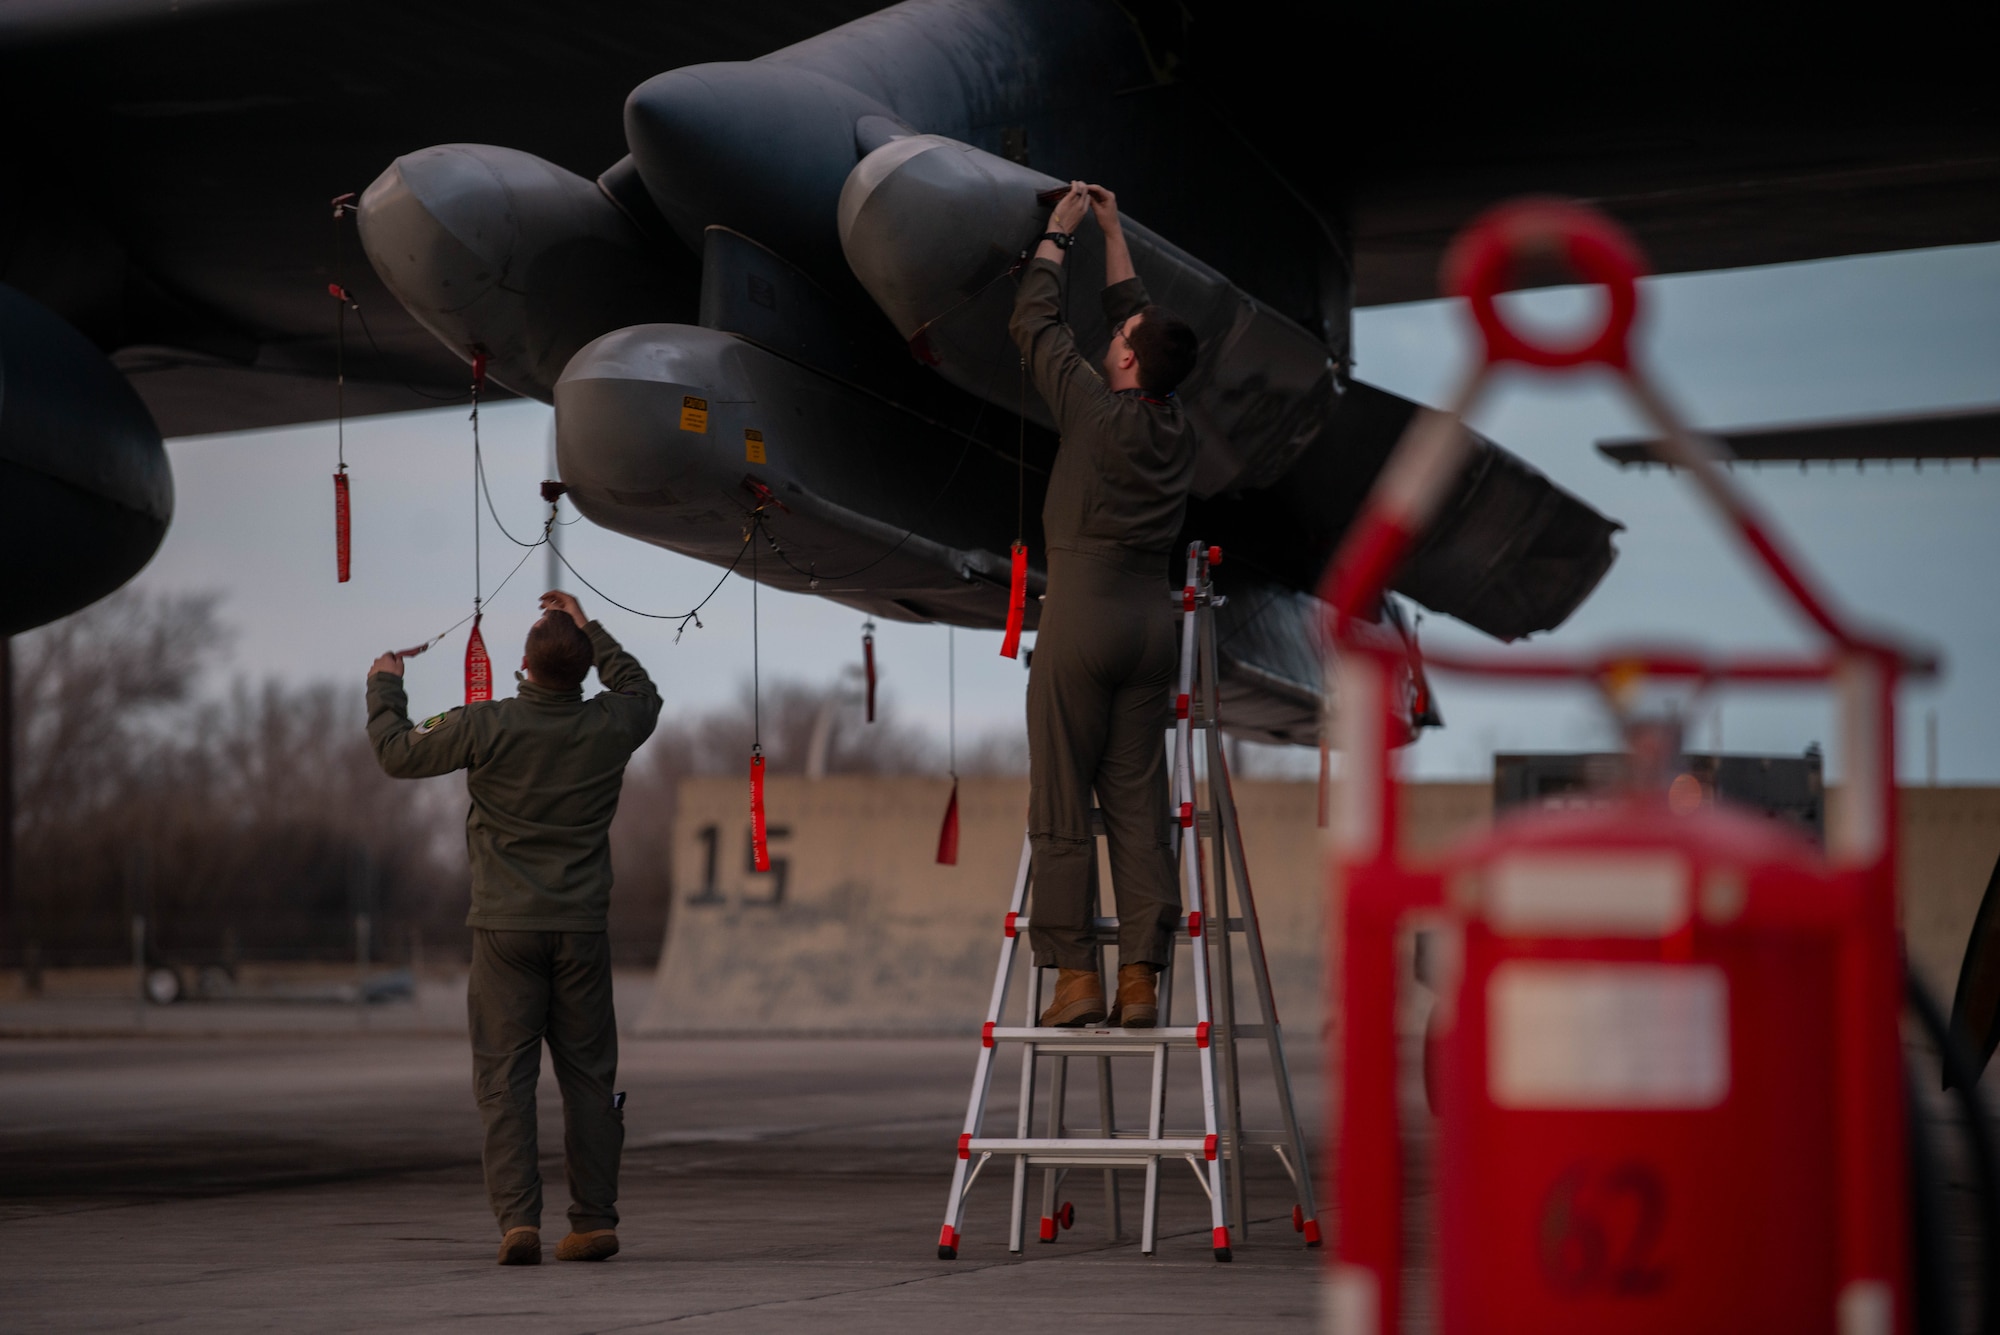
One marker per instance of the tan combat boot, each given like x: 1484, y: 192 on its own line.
x: 1079, y: 999
x: 521, y: 1246
x: 600, y: 1244
x: 1138, y: 997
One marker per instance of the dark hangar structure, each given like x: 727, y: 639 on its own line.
x: 802, y: 215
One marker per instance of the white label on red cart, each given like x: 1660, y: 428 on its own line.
x: 1604, y: 1036
x: 1588, y: 894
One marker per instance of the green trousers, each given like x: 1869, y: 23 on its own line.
x: 1099, y: 704
x: 526, y: 987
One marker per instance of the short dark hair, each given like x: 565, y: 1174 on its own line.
x: 1165, y: 347
x: 558, y: 651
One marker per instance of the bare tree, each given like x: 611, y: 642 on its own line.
x: 258, y: 821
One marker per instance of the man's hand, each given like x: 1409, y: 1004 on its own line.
x: 1117, y: 255
x: 389, y: 663
x: 1068, y: 212
x: 555, y: 600
x: 1104, y: 207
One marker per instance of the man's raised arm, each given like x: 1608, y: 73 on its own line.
x: 628, y: 691
x: 1124, y: 295
x: 440, y: 745
x: 1057, y: 368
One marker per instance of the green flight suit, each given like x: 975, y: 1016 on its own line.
x: 1101, y: 680
x: 544, y: 771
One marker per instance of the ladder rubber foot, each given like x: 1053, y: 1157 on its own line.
x: 947, y: 1253
x: 1222, y: 1254
x: 1221, y: 1239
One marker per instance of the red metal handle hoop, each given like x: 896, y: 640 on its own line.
x: 1479, y: 266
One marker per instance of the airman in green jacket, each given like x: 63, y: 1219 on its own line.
x: 543, y: 771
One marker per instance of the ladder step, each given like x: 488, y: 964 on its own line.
x: 1050, y: 1042
x: 1108, y: 927
x: 1087, y: 1149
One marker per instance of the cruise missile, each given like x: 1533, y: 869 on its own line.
x: 495, y: 250
x: 936, y: 230
x: 754, y: 441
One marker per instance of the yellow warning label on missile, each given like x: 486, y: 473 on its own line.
x: 753, y: 446
x: 694, y: 414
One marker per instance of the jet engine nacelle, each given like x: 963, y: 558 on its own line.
x: 934, y: 228
x: 497, y: 250
x: 85, y: 490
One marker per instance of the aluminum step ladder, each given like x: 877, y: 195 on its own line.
x: 1207, y: 929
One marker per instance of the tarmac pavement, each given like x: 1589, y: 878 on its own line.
x: 323, y: 1181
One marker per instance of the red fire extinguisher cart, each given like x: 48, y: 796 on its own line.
x: 1666, y: 1072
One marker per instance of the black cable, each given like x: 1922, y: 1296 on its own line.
x: 682, y: 617
x: 814, y: 575
x: 383, y: 360
x: 479, y: 467
x: 478, y: 477
x: 1021, y: 461
x: 479, y: 470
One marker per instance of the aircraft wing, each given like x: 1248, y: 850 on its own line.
x: 172, y: 198
x: 1966, y: 433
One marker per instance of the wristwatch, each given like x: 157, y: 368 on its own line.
x: 1063, y: 240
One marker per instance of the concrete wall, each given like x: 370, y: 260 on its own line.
x: 869, y: 934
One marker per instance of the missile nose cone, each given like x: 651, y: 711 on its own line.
x: 639, y: 429
x: 759, y: 147
x: 925, y: 222
x: 496, y: 249
x: 439, y: 225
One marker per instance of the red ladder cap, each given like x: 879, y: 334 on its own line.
x: 1208, y: 1153
x: 1181, y: 706
x: 1312, y: 1232
x: 1187, y: 815
x: 965, y: 1145
x: 985, y: 1037
x: 1048, y: 1229
x: 1201, y: 1041
x: 947, y: 1236
x: 1008, y: 926
x: 1187, y: 598
x: 1215, y: 556
x: 1194, y: 923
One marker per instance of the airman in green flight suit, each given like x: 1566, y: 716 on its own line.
x: 1100, y: 681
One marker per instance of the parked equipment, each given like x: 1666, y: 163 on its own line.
x: 1669, y: 1073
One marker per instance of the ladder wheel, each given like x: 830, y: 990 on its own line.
x: 1298, y: 1219
x: 947, y: 1253
x: 1067, y: 1215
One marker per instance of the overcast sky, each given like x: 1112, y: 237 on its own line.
x: 1913, y: 551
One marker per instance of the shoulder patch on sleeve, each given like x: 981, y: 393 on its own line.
x: 434, y: 721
